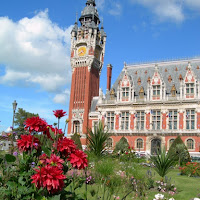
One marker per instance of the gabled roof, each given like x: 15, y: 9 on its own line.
x: 165, y: 69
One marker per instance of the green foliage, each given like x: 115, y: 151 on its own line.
x: 162, y: 162
x: 122, y: 145
x: 20, y: 116
x: 105, y: 167
x: 76, y: 137
x: 97, y: 140
x: 179, y: 151
x: 191, y: 169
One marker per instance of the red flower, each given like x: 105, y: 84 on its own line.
x: 55, y: 130
x: 59, y: 113
x: 55, y: 161
x: 35, y: 124
x: 43, y: 159
x: 65, y: 146
x: 27, y: 142
x: 49, y: 177
x: 78, y: 159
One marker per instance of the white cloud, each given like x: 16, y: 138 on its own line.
x: 116, y: 9
x: 62, y: 98
x: 100, y: 4
x: 35, y: 51
x: 194, y: 4
x: 164, y: 9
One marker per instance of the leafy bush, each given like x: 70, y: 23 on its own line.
x: 76, y: 137
x: 179, y: 151
x: 122, y: 145
x: 162, y: 162
x: 190, y: 169
x: 97, y: 140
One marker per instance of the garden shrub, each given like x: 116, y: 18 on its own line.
x: 190, y: 169
x: 76, y: 137
x: 180, y: 151
x: 122, y: 145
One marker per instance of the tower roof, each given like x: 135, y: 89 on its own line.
x: 91, y: 2
x: 89, y: 15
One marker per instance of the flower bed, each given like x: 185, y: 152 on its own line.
x: 191, y: 169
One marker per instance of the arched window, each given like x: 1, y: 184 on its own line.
x: 190, y: 144
x: 139, y: 143
x: 109, y: 143
x: 76, y: 127
x: 171, y: 141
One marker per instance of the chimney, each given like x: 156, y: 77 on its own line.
x: 109, y: 76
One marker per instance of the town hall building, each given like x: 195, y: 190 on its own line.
x: 150, y: 104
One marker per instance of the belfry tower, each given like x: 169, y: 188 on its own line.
x: 87, y: 57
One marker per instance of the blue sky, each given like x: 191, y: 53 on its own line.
x: 35, y: 45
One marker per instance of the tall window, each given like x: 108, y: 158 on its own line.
x: 125, y: 121
x: 190, y: 144
x: 140, y: 120
x: 189, y: 88
x: 156, y: 91
x: 156, y: 115
x: 95, y: 125
x: 109, y: 143
x: 190, y: 119
x: 110, y: 120
x: 139, y: 143
x: 76, y: 127
x: 173, y: 117
x: 125, y: 93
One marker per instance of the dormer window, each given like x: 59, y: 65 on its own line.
x: 189, y: 88
x: 190, y: 83
x: 156, y: 91
x: 125, y: 93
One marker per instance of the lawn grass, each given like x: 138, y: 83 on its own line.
x: 187, y: 187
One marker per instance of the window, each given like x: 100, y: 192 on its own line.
x: 156, y: 120
x: 140, y: 120
x: 190, y: 119
x: 189, y: 88
x: 173, y: 117
x: 156, y: 91
x: 76, y: 127
x: 190, y: 144
x: 95, y: 125
x: 109, y: 143
x: 125, y: 121
x: 125, y: 93
x: 139, y: 143
x: 110, y: 120
x: 171, y: 141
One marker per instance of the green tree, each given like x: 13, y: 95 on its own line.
x: 122, y: 145
x: 20, y: 117
x: 179, y: 151
x: 162, y: 162
x: 76, y: 137
x: 96, y: 141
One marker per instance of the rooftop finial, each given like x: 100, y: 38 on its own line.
x: 76, y: 18
x: 102, y: 23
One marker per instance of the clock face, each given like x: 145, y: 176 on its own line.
x: 81, y: 51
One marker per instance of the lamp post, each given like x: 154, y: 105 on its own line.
x: 14, y: 109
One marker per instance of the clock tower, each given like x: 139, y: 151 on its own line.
x: 87, y: 57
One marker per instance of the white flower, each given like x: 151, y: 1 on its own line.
x: 172, y: 198
x: 159, y: 196
x: 196, y: 198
